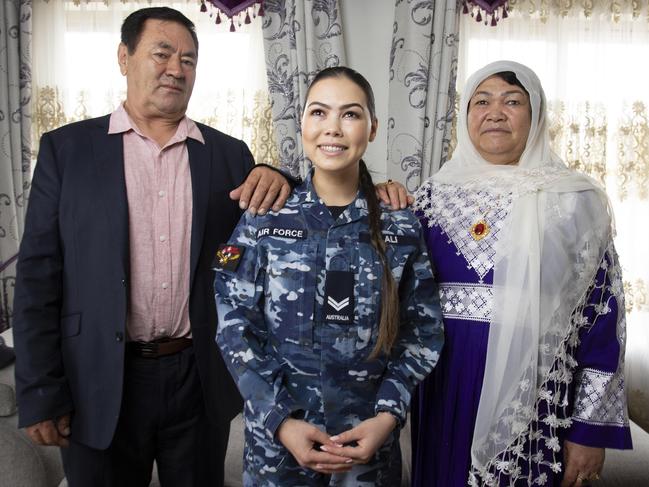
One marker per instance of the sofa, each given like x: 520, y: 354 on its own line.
x: 23, y: 464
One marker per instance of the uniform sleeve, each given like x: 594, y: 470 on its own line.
x: 420, y: 338
x: 599, y: 417
x: 242, y: 334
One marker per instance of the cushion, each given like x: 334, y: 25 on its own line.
x: 7, y: 356
x: 20, y: 461
x: 7, y: 400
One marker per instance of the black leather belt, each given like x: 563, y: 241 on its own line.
x: 159, y: 348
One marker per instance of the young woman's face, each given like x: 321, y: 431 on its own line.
x: 336, y: 125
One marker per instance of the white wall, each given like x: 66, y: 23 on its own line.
x: 367, y: 33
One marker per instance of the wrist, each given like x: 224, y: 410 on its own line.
x: 388, y: 419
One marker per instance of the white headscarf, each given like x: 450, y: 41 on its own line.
x: 547, y: 254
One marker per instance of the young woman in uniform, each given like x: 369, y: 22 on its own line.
x: 328, y: 311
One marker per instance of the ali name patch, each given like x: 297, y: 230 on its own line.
x: 391, y: 239
x: 339, y: 297
x: 297, y: 233
x: 229, y: 256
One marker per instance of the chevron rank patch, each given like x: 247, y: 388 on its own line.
x: 339, y: 297
x: 228, y: 257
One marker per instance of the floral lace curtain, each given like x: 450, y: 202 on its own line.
x: 423, y: 63
x: 15, y: 119
x: 76, y: 75
x: 615, y: 10
x: 301, y: 37
x: 595, y: 76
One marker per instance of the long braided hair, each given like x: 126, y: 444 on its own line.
x: 389, y: 324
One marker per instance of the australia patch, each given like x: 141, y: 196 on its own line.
x: 339, y: 297
x: 228, y: 257
x: 297, y: 233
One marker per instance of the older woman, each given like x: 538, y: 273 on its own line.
x: 529, y: 389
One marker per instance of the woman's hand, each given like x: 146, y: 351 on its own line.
x: 583, y: 463
x: 394, y: 194
x: 307, y: 445
x: 369, y: 436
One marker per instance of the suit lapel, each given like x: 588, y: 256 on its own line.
x: 109, y: 156
x: 199, y: 165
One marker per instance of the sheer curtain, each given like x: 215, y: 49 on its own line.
x: 595, y: 74
x: 76, y: 75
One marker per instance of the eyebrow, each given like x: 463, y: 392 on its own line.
x: 342, y: 107
x: 169, y: 47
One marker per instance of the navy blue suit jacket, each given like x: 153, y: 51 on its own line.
x: 71, y: 294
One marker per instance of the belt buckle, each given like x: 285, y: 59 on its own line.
x: 149, y: 350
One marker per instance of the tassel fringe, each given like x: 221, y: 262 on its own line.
x: 480, y: 14
x: 252, y: 12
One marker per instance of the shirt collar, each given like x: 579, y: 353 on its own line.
x: 120, y: 122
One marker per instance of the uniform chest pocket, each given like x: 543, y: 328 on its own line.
x: 370, y: 276
x: 398, y: 256
x: 289, y: 290
x: 367, y: 290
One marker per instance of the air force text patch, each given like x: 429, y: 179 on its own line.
x: 228, y: 257
x: 297, y: 233
x: 339, y: 297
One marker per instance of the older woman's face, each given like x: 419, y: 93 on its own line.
x: 499, y: 120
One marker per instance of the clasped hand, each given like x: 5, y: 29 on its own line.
x: 314, y: 449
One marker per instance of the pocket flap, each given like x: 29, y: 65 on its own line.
x: 70, y: 325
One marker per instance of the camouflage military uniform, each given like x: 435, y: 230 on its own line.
x: 284, y: 336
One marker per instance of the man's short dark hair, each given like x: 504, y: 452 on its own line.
x: 134, y: 24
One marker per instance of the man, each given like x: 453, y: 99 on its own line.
x: 114, y: 309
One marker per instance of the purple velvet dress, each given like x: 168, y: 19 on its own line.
x: 445, y: 408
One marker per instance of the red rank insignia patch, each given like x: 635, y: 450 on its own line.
x: 229, y: 256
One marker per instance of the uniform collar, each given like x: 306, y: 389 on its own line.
x: 311, y: 202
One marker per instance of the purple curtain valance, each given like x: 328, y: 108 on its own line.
x: 481, y: 10
x: 233, y: 10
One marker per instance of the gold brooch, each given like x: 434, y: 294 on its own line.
x: 479, y: 230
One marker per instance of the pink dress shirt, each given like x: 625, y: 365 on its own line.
x: 159, y: 192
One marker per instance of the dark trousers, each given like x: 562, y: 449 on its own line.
x: 163, y: 419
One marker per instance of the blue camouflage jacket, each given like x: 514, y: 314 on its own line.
x: 298, y: 298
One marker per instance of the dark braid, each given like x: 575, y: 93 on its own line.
x: 389, y: 324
